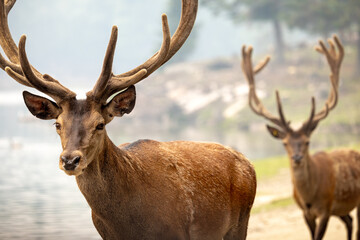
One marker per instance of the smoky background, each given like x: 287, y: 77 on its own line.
x: 199, y: 95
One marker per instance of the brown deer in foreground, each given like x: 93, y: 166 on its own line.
x: 324, y: 184
x: 146, y: 189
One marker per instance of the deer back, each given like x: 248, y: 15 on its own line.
x: 207, y: 187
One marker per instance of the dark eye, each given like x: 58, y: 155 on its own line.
x: 57, y: 125
x: 100, y: 126
x: 307, y: 143
x: 285, y: 144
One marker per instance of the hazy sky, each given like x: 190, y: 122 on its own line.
x: 68, y: 38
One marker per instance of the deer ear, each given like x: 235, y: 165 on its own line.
x: 276, y: 133
x: 41, y: 107
x: 122, y: 103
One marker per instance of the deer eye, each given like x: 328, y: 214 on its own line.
x: 307, y: 143
x: 285, y: 144
x: 100, y: 126
x: 57, y: 126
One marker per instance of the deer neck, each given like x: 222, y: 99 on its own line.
x: 304, y: 178
x: 111, y: 171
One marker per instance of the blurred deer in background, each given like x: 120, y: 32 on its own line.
x: 146, y: 189
x: 324, y: 184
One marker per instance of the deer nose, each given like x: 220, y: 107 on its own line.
x: 70, y: 163
x: 297, y: 158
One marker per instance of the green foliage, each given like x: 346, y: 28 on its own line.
x: 314, y: 16
x: 269, y: 167
x: 278, y: 203
x: 322, y: 16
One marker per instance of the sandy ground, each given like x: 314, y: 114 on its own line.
x: 287, y: 222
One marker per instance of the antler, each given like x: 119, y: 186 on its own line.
x: 254, y: 101
x: 19, y: 67
x: 334, y: 59
x: 108, y: 83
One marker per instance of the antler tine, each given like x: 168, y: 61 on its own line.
x: 109, y: 83
x: 285, y: 124
x: 262, y: 64
x: 8, y: 5
x: 5, y: 63
x: 306, y: 126
x: 169, y: 47
x: 334, y: 59
x: 254, y: 101
x: 19, y: 67
x: 106, y: 72
x: 6, y: 41
x: 50, y: 87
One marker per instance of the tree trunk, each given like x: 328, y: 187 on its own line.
x: 279, y: 42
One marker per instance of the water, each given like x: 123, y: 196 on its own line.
x: 37, y: 199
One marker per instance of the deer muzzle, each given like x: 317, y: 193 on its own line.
x: 71, y: 162
x: 297, y: 158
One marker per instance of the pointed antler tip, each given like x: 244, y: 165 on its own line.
x: 9, y: 71
x: 164, y: 19
x: 143, y: 71
x: 114, y: 28
x: 313, y: 101
x: 23, y: 37
x: 330, y: 41
x: 321, y: 42
x: 243, y: 48
x: 165, y: 23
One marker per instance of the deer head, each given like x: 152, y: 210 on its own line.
x: 81, y: 123
x: 297, y: 141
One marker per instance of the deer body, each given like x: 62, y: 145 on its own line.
x: 147, y: 189
x: 324, y: 184
x: 328, y: 183
x: 168, y: 190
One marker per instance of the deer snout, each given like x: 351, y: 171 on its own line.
x: 70, y: 161
x: 297, y: 158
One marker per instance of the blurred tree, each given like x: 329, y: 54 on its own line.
x: 319, y: 16
x: 255, y: 10
x: 325, y: 17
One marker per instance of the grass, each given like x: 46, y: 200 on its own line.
x: 269, y: 167
x: 278, y: 203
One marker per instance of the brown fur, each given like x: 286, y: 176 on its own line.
x: 149, y: 189
x: 327, y: 184
x: 172, y: 190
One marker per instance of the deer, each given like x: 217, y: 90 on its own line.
x: 146, y: 189
x: 324, y: 183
